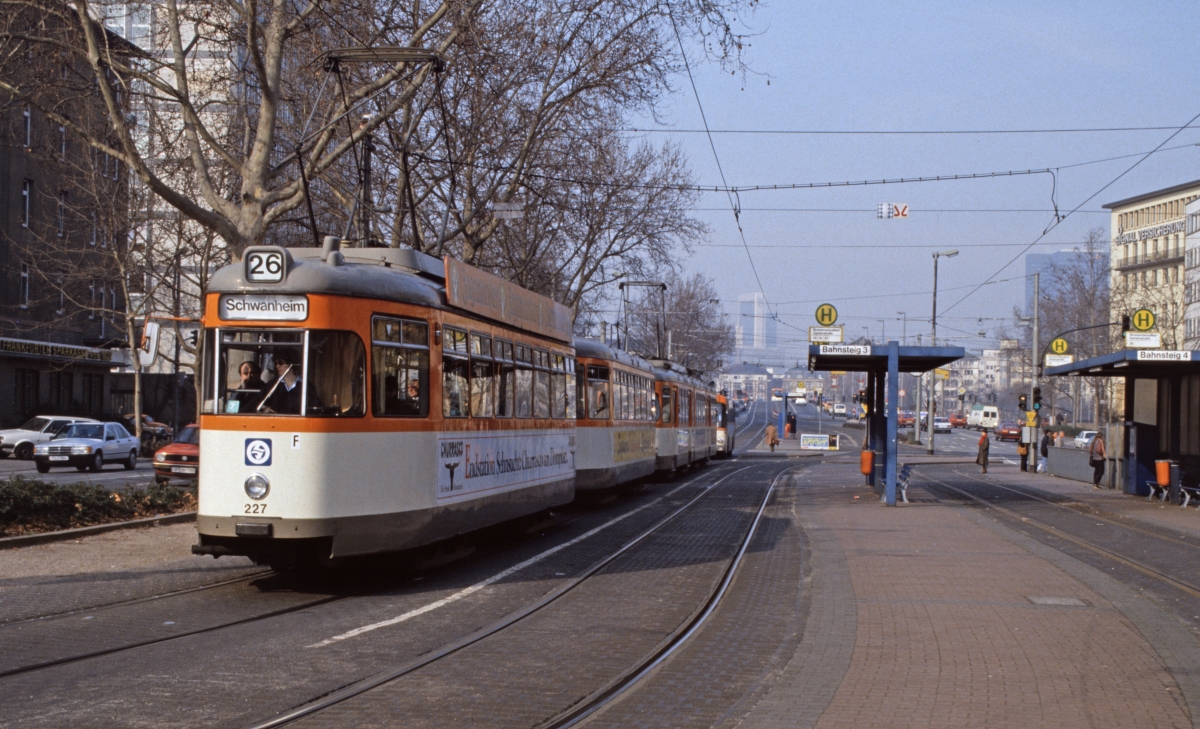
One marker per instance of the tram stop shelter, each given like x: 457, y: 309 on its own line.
x: 1161, y: 412
x: 883, y: 365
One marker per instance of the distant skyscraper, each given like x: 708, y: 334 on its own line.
x: 756, y: 329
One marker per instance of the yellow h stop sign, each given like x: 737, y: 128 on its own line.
x: 1143, y: 320
x: 826, y: 315
x: 1059, y: 346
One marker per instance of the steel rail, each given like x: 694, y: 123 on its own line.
x: 364, y: 685
x: 615, y: 690
x: 1145, y: 569
x: 1102, y: 516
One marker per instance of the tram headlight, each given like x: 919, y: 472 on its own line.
x: 257, y: 486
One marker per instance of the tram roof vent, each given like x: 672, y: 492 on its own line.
x: 407, y: 259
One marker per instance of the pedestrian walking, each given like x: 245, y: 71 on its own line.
x: 1097, y: 457
x: 1044, y: 451
x: 772, y: 436
x: 984, y: 447
x: 1023, y: 452
x: 1059, y: 437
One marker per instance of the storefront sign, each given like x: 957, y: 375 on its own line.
x: 263, y: 307
x: 1152, y: 232
x: 815, y: 442
x: 59, y: 351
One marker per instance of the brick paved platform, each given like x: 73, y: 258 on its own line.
x: 934, y: 615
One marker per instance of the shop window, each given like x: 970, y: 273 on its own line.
x: 25, y: 391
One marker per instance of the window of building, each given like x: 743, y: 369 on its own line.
x: 27, y: 127
x: 62, y: 389
x: 24, y: 293
x: 93, y: 239
x: 62, y: 296
x: 92, y: 287
x: 25, y: 391
x: 62, y: 213
x: 93, y: 392
x: 26, y: 200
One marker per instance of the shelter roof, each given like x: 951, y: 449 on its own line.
x: 874, y: 357
x: 1145, y: 363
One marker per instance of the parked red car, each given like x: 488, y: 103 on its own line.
x: 1008, y: 431
x: 958, y: 420
x: 180, y: 459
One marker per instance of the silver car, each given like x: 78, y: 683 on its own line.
x: 88, y: 446
x: 21, y: 441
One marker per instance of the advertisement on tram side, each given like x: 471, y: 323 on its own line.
x: 471, y: 465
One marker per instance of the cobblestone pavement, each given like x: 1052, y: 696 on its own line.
x: 844, y: 613
x: 958, y: 620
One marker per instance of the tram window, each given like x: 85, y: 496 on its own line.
x: 264, y: 372
x: 653, y: 403
x: 668, y: 413
x: 505, y: 380
x: 337, y: 373
x: 685, y: 408
x: 455, y: 373
x: 206, y: 373
x: 541, y: 384
x: 558, y: 387
x: 569, y: 388
x: 482, y: 377
x: 719, y: 410
x: 524, y: 357
x: 580, y: 396
x: 400, y: 366
x: 598, y: 392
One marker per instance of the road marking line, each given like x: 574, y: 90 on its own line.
x: 467, y: 591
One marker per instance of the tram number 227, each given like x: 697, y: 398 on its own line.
x: 255, y: 509
x: 264, y: 267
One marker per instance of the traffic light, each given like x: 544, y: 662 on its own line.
x: 1126, y: 324
x: 192, y: 337
x: 1021, y: 401
x: 1037, y: 398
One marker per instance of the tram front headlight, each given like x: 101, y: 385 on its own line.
x: 257, y: 486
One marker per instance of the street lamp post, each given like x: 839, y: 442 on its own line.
x: 933, y: 342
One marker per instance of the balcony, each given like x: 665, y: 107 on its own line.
x: 1153, y: 258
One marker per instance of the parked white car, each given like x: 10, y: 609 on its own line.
x: 21, y: 441
x: 1084, y: 439
x: 839, y: 409
x: 88, y: 446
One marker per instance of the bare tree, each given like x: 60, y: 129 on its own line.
x: 683, y: 322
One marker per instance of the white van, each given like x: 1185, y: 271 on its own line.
x: 983, y: 416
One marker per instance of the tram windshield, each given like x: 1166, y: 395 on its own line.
x: 287, y: 372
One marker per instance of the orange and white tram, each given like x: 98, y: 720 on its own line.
x: 685, y: 433
x: 614, y: 428
x: 368, y: 400
x: 724, y: 421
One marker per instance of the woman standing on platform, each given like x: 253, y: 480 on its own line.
x: 1097, y: 456
x: 984, y: 448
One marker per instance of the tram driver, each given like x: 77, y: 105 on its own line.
x: 283, y: 395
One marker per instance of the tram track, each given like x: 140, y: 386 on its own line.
x: 373, y: 587
x: 1059, y: 533
x: 594, y: 702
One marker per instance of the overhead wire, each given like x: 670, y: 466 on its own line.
x: 733, y: 204
x: 892, y: 132
x: 1059, y: 219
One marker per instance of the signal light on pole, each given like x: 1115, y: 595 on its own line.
x: 1021, y: 402
x: 1037, y: 398
x: 1126, y: 324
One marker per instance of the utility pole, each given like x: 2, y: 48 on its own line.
x: 933, y: 343
x: 1033, y: 373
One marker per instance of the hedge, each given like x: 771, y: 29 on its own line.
x: 30, y: 505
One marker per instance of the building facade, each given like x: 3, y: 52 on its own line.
x: 1148, y: 240
x: 61, y: 231
x: 756, y: 329
x: 752, y: 380
x: 1191, y: 279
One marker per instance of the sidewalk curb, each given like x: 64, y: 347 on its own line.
x: 27, y: 540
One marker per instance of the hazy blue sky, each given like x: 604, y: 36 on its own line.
x: 931, y: 66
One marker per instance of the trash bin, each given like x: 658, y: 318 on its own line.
x: 1162, y: 471
x: 868, y: 462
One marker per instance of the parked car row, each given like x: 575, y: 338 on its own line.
x: 52, y: 441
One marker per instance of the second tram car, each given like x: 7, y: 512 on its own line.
x: 723, y: 421
x: 614, y: 427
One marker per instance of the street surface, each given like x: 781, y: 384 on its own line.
x: 113, y: 475
x: 1006, y: 600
